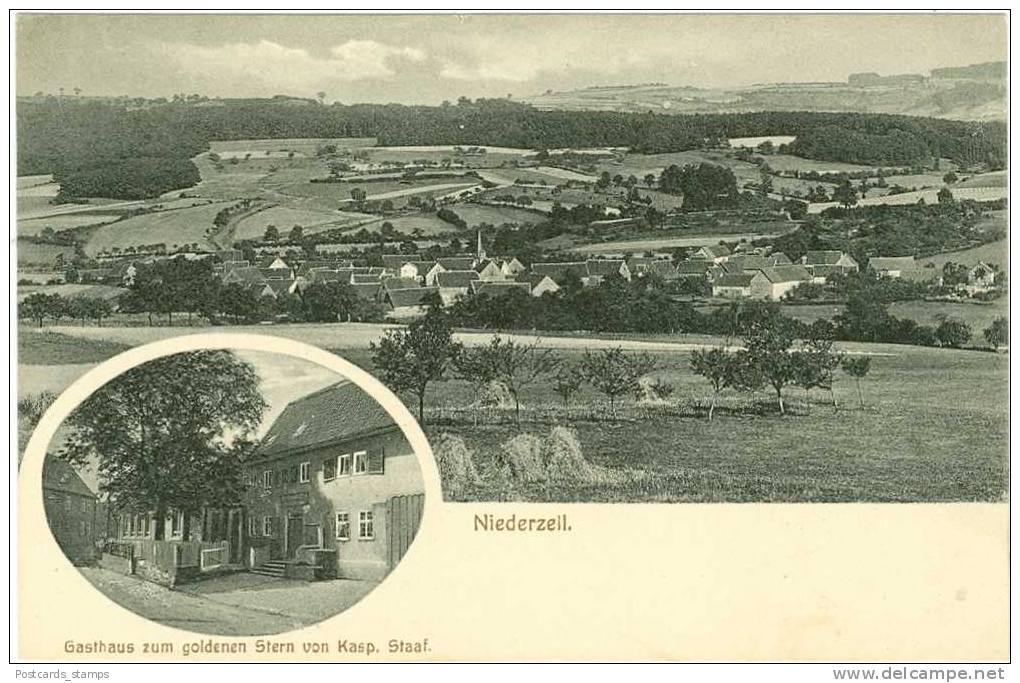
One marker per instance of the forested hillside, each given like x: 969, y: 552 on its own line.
x: 110, y: 150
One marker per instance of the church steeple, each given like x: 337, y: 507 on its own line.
x: 480, y: 251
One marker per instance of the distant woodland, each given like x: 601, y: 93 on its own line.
x: 110, y: 149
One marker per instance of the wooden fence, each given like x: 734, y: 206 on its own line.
x: 169, y: 555
x: 403, y: 517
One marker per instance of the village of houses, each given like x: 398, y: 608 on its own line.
x: 406, y: 283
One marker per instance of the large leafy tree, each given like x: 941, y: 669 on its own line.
x: 166, y: 434
x: 409, y: 360
x: 767, y: 343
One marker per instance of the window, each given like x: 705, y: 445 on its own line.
x: 267, y: 526
x: 329, y: 469
x: 360, y: 462
x: 253, y: 527
x: 305, y: 469
x: 267, y: 479
x: 366, y: 529
x: 344, y: 465
x: 343, y: 526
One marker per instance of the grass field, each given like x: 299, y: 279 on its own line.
x: 44, y: 347
x: 91, y: 291
x: 930, y: 196
x: 175, y: 227
x: 977, y: 315
x: 476, y: 214
x: 631, y: 246
x: 65, y: 222
x: 908, y: 444
x: 284, y: 218
x: 993, y: 253
x: 993, y: 179
x: 303, y: 146
x: 34, y: 254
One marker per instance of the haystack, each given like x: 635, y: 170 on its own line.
x: 563, y: 460
x: 456, y: 465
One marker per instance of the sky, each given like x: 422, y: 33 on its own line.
x: 430, y: 58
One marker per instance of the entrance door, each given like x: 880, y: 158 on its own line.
x: 295, y: 529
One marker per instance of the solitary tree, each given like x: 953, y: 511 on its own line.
x: 613, y: 373
x: 768, y: 342
x: 409, y: 360
x: 845, y: 194
x: 272, y: 234
x: 945, y: 196
x: 567, y: 382
x: 997, y: 334
x: 35, y: 307
x: 717, y: 366
x: 857, y: 367
x: 952, y: 333
x: 162, y: 435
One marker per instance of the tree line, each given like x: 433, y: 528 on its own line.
x: 110, y: 142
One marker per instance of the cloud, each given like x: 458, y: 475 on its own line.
x: 277, y: 68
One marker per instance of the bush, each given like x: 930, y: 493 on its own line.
x: 456, y: 465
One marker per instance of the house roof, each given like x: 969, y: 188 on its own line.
x: 891, y: 263
x: 604, y: 266
x: 534, y: 279
x: 457, y: 262
x: 307, y: 266
x: 694, y: 267
x: 410, y: 297
x: 822, y: 258
x: 334, y: 414
x: 59, y: 475
x: 481, y: 266
x: 248, y: 274
x: 715, y: 250
x: 779, y: 274
x: 558, y: 270
x: 275, y: 273
x: 920, y: 274
x: 778, y: 258
x: 422, y: 266
x: 742, y: 279
x: 267, y: 261
x: 363, y: 278
x: 456, y: 278
x: 490, y: 288
x: 393, y: 283
x: 367, y: 290
x: 279, y: 286
x: 394, y: 261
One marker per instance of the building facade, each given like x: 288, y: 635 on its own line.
x: 333, y: 473
x: 71, y: 510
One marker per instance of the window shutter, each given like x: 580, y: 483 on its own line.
x: 376, y: 462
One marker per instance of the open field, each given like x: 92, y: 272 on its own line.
x: 977, y: 315
x: 64, y: 222
x: 993, y: 253
x: 303, y: 146
x: 91, y: 291
x: 631, y: 246
x: 174, y: 227
x: 476, y: 214
x: 930, y: 196
x: 754, y: 142
x: 284, y: 218
x: 909, y: 444
x: 993, y: 179
x: 35, y: 254
x: 26, y: 181
x: 45, y: 347
x: 788, y: 162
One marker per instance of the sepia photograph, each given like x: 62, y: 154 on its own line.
x: 653, y: 269
x: 232, y: 492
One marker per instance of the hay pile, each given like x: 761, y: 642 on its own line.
x: 520, y: 459
x: 456, y: 465
x: 495, y: 395
x: 563, y: 460
x: 654, y: 390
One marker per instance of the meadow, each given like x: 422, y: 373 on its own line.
x: 172, y: 227
x: 992, y: 253
x: 910, y: 443
x: 476, y: 214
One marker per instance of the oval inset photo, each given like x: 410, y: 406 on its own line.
x: 232, y: 491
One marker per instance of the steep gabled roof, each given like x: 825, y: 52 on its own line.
x: 693, y: 267
x: 400, y: 298
x: 604, y: 266
x: 557, y: 270
x: 501, y: 288
x: 331, y: 415
x: 59, y: 475
x: 779, y: 274
x: 822, y: 258
x: 394, y: 261
x: 742, y: 279
x: 394, y: 283
x: 457, y: 262
x: 367, y: 290
x: 456, y: 278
